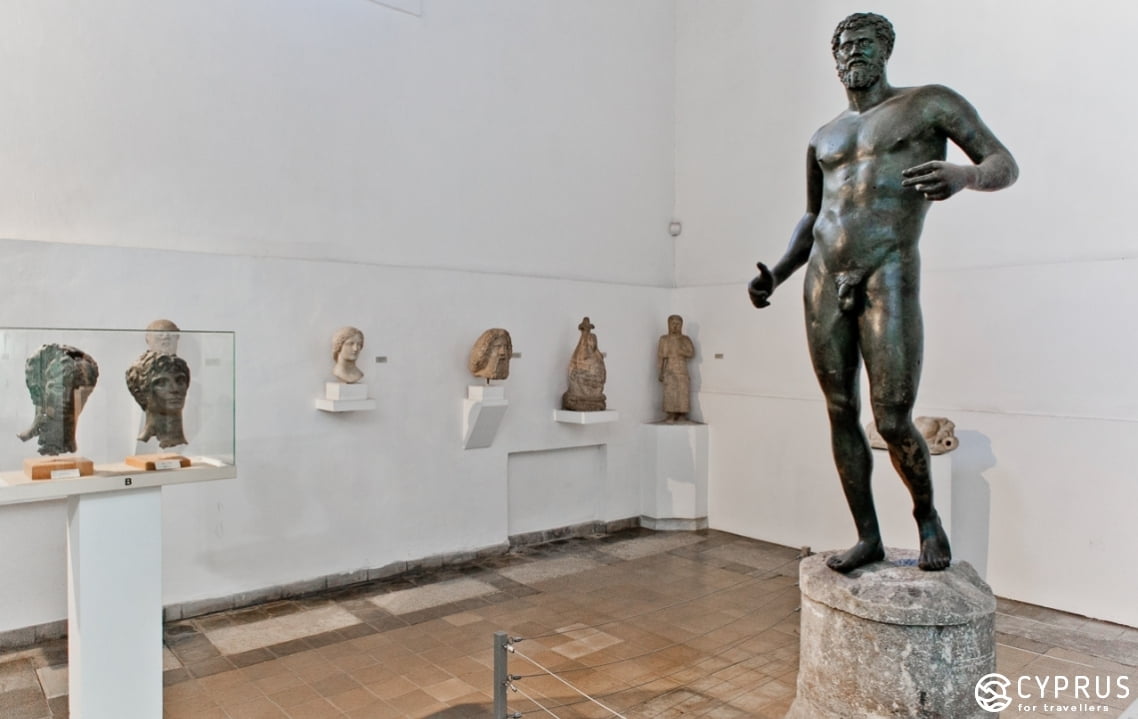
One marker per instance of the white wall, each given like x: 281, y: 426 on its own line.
x: 506, y: 136
x: 555, y: 488
x: 1029, y: 294
x: 284, y: 168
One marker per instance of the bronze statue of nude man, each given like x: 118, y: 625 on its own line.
x: 871, y: 174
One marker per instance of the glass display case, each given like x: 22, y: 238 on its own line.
x: 85, y: 410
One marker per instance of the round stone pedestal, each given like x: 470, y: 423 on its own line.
x: 889, y: 640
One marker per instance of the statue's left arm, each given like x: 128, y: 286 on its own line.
x: 994, y: 167
x: 687, y: 347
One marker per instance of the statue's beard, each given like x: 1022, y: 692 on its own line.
x: 860, y: 76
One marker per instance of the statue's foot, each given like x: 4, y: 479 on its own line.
x: 935, y: 552
x: 856, y: 556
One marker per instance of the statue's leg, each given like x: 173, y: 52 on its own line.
x: 892, y: 343
x: 832, y: 335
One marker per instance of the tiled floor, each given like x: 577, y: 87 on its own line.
x: 648, y: 624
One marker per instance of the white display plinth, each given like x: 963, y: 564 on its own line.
x: 342, y: 390
x: 569, y: 416
x: 482, y: 412
x: 674, y: 493
x: 343, y: 397
x: 114, y: 581
x: 344, y: 405
x: 114, y: 604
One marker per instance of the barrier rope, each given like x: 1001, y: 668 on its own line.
x: 547, y: 710
x: 537, y: 664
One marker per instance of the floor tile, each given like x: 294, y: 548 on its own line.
x: 432, y: 595
x: 277, y: 630
x: 53, y: 681
x: 545, y: 569
x: 653, y: 544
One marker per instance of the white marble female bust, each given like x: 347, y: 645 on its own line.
x: 347, y: 343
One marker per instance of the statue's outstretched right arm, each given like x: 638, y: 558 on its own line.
x: 801, y: 240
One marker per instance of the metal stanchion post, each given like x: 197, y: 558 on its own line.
x: 501, y: 641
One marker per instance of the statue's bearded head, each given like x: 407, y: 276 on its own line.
x: 861, y: 45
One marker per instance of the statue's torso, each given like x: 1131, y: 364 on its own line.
x: 676, y: 350
x: 866, y: 216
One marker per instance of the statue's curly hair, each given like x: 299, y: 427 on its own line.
x: 882, y: 28
x: 139, y: 375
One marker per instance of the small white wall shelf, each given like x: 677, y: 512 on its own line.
x: 482, y: 412
x: 567, y: 416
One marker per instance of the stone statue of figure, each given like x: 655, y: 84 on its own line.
x: 347, y: 343
x: 490, y: 355
x: 872, y: 174
x: 159, y: 383
x: 60, y: 378
x: 586, y: 374
x: 162, y: 337
x: 672, y: 355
